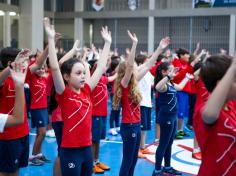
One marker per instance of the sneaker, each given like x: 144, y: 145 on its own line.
x: 140, y: 154
x: 156, y: 142
x: 97, y: 170
x: 35, y: 162
x: 44, y: 159
x: 147, y: 151
x: 179, y: 135
x: 113, y: 132
x: 171, y: 171
x: 50, y: 133
x: 189, y: 127
x: 102, y: 166
x: 117, y: 129
x: 197, y: 155
x: 157, y: 173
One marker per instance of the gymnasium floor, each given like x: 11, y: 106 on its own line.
x: 111, y: 154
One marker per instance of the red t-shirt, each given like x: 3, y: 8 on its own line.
x: 7, y: 100
x: 130, y: 111
x: 38, y: 87
x: 56, y: 115
x: 76, y: 111
x: 184, y: 68
x: 100, y: 98
x: 49, y: 83
x: 217, y: 142
x: 201, y: 93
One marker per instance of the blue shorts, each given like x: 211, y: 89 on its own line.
x: 76, y: 161
x: 14, y: 154
x: 98, y: 128
x: 57, y: 127
x: 39, y: 117
x: 145, y: 118
x: 183, y: 104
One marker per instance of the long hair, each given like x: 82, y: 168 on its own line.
x: 134, y: 92
x: 158, y: 76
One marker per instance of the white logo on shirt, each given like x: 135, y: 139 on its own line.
x: 229, y: 147
x: 42, y: 89
x: 80, y: 105
x: 101, y: 91
x: 71, y: 165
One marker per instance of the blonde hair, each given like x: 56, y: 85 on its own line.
x: 134, y: 93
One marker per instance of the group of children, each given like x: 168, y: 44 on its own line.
x: 76, y: 90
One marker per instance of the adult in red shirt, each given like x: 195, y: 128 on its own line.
x: 74, y: 99
x: 215, y: 124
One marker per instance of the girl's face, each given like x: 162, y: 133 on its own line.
x: 76, y: 79
x: 41, y: 71
x: 166, y: 72
x: 185, y: 57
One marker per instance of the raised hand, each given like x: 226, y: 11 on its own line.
x: 18, y: 73
x: 49, y: 28
x: 189, y: 76
x: 58, y: 36
x: 164, y: 42
x: 133, y: 37
x: 22, y: 58
x: 106, y: 35
x: 76, y: 47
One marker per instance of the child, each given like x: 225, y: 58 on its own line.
x: 167, y: 115
x: 99, y: 116
x: 215, y: 124
x: 145, y: 86
x: 127, y: 93
x: 38, y: 78
x: 18, y: 75
x: 74, y: 99
x: 14, y: 141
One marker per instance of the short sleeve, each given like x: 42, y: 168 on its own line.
x: 3, y: 120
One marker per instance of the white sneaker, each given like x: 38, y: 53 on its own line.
x: 117, y: 129
x: 50, y: 133
x: 113, y: 132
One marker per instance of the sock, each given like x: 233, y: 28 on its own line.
x: 196, y: 150
x: 39, y: 155
x: 95, y: 162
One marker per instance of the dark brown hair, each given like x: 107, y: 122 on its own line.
x: 214, y: 69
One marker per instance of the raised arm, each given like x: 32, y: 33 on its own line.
x: 71, y: 53
x: 54, y: 66
x: 22, y: 57
x: 39, y: 60
x: 130, y: 62
x: 181, y: 85
x: 218, y: 97
x: 101, y: 64
x: 144, y: 68
x: 18, y: 74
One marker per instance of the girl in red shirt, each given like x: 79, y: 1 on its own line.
x: 127, y: 93
x: 74, y: 99
x: 215, y: 124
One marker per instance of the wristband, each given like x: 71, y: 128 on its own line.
x: 168, y: 77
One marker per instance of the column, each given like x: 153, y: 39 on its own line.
x: 232, y: 35
x: 78, y: 22
x: 7, y: 28
x: 31, y: 24
x: 151, y: 28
